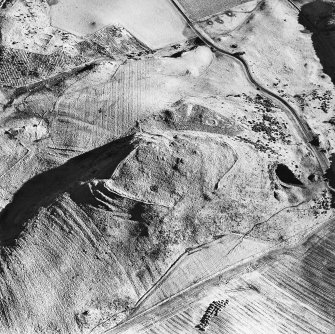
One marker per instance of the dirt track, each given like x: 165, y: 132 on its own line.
x: 305, y: 131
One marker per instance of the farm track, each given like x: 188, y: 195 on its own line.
x: 207, y: 273
x: 178, y: 273
x: 263, y: 305
x: 178, y: 303
x: 197, y: 265
x: 306, y: 133
x: 126, y: 117
x: 304, y: 130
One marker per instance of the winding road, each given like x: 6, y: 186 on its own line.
x: 303, y: 128
x: 306, y: 133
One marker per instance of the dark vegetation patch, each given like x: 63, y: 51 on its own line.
x: 198, y: 42
x: 286, y: 175
x: 276, y: 196
x: 312, y: 177
x: 330, y: 173
x: 177, y: 54
x: 137, y: 211
x: 265, y: 148
x: 262, y: 6
x: 315, y: 141
x: 212, y: 311
x: 43, y: 189
x: 261, y: 103
x: 323, y: 98
x: 6, y: 4
x: 322, y: 204
x: 193, y: 44
x: 273, y: 129
x: 140, y: 230
x: 85, y: 68
x: 52, y: 2
x: 185, y: 116
x: 319, y: 18
x: 13, y: 133
x: 332, y: 121
x: 254, y: 288
x: 330, y: 177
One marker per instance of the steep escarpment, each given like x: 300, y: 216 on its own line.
x: 75, y: 253
x: 98, y: 232
x: 146, y: 178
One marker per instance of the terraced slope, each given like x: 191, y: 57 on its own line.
x: 19, y: 68
x: 199, y: 265
x: 290, y: 291
x: 90, y: 222
x: 302, y: 54
x: 128, y: 210
x: 204, y: 198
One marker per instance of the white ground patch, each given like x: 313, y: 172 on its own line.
x: 154, y: 22
x: 281, y: 57
x: 193, y: 62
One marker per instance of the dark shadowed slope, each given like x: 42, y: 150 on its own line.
x: 319, y: 18
x: 42, y: 190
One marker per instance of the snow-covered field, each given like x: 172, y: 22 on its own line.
x: 155, y: 22
x: 138, y: 188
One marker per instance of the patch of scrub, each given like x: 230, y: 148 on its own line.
x: 27, y: 129
x: 330, y: 174
x: 228, y: 21
x: 193, y: 62
x: 154, y: 22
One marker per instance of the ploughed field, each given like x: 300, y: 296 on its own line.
x: 201, y: 9
x: 280, y: 293
x: 190, y: 170
x: 142, y: 188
